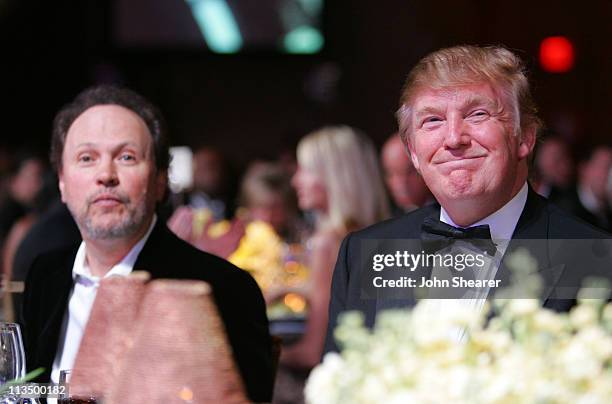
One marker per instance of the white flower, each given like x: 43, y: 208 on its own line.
x: 548, y: 321
x: 373, y: 389
x: 525, y: 355
x: 583, y: 315
x: 523, y: 307
x: 607, y: 316
x: 597, y: 341
x: 521, y: 260
x: 321, y: 386
x: 579, y: 362
x: 401, y: 396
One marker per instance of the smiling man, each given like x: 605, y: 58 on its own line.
x: 469, y: 122
x: 462, y: 140
x: 111, y: 155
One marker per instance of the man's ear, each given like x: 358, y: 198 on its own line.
x: 527, y: 142
x: 62, y: 186
x: 161, y: 184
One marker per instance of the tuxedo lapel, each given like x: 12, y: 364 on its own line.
x: 533, y: 222
x: 52, y: 293
x: 532, y: 234
x: 157, y: 254
x: 382, y: 302
x: 57, y: 303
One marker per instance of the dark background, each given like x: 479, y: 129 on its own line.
x: 254, y: 105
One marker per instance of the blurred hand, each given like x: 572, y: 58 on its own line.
x: 181, y: 223
x: 224, y: 245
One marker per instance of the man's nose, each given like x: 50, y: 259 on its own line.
x: 458, y: 134
x: 107, y: 174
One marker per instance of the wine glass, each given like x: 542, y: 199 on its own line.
x: 12, y: 356
x: 64, y: 379
x: 66, y: 398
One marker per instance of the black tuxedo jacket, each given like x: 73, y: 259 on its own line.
x: 164, y: 255
x: 539, y: 220
x: 570, y: 201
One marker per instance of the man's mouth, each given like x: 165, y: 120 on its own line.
x: 107, y: 200
x: 459, y: 161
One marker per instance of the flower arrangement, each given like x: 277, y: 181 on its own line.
x: 524, y: 354
x: 274, y: 264
x: 260, y: 253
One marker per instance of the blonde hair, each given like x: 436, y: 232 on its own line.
x: 467, y: 64
x: 346, y: 162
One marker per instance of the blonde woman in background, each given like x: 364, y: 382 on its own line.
x: 339, y: 180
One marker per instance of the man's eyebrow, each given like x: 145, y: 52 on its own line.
x: 85, y: 145
x: 426, y: 111
x: 116, y: 147
x: 479, y: 100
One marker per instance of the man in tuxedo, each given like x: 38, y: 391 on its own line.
x: 469, y: 122
x: 588, y: 199
x: 554, y: 168
x: 111, y: 154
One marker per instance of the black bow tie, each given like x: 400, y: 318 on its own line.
x: 437, y: 235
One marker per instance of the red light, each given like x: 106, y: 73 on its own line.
x: 556, y: 54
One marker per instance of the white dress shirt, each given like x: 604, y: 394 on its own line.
x: 81, y: 301
x: 502, y: 224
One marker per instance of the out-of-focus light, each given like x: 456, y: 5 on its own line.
x: 304, y: 39
x: 217, y: 24
x: 295, y: 302
x: 556, y: 54
x: 186, y: 394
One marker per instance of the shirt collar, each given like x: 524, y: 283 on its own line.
x: 82, y: 274
x: 502, y: 222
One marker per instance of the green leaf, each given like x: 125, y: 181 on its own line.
x: 30, y: 376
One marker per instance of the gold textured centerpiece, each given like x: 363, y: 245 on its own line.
x: 180, y: 352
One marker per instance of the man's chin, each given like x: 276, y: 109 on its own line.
x: 109, y: 230
x: 459, y: 192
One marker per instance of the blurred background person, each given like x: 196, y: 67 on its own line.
x: 25, y: 179
x: 405, y: 185
x: 339, y: 180
x: 609, y: 188
x: 588, y: 200
x: 209, y: 200
x: 41, y: 230
x: 48, y: 227
x: 213, y: 184
x: 21, y: 226
x: 266, y: 195
x: 555, y: 169
x: 22, y: 196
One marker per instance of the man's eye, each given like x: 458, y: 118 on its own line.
x: 478, y: 114
x: 431, y: 121
x: 85, y: 158
x: 127, y: 157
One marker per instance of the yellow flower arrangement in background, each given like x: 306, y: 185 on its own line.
x: 260, y: 253
x: 272, y: 263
